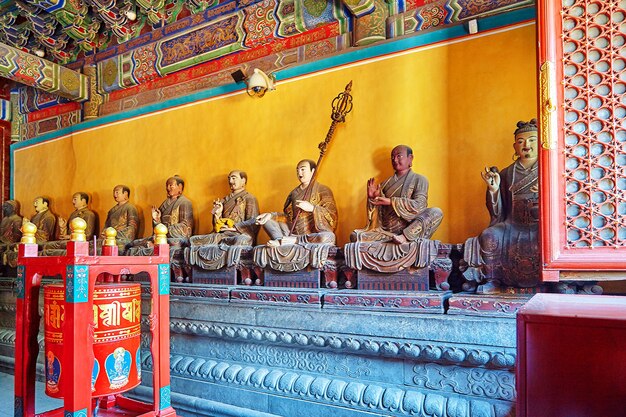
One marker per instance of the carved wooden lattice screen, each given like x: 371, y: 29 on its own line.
x: 582, y: 108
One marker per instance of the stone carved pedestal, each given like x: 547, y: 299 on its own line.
x: 241, y: 273
x: 305, y: 275
x: 414, y: 279
x: 500, y: 305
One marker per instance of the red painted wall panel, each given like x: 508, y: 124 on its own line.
x: 572, y: 356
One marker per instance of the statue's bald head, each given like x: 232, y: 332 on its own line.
x: 402, y: 159
x: 407, y: 150
x: 10, y: 207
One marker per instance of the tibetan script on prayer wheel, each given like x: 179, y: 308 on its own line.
x: 116, y: 338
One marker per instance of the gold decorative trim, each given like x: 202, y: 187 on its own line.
x: 546, y: 74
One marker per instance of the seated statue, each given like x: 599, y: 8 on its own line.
x: 234, y: 228
x: 43, y: 219
x: 10, y: 225
x: 399, y: 221
x: 313, y: 234
x: 80, y: 201
x: 506, y: 253
x: 123, y: 217
x: 45, y: 222
x: 175, y: 213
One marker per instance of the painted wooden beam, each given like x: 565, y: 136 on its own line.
x: 36, y: 72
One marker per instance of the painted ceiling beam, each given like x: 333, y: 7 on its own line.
x: 359, y: 7
x: 36, y: 72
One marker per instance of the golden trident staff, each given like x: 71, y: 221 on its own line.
x: 342, y: 105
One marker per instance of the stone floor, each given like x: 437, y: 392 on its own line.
x: 42, y: 401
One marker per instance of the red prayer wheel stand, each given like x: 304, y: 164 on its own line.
x: 92, y: 331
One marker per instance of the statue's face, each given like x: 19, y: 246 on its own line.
x: 78, y: 202
x: 400, y: 160
x: 173, y: 188
x: 304, y: 173
x: 235, y: 182
x: 39, y: 205
x: 119, y: 195
x: 525, y: 145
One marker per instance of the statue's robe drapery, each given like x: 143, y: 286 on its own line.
x: 10, y: 234
x: 46, y: 224
x: 317, y: 226
x: 10, y: 229
x: 224, y: 248
x: 314, y: 232
x: 408, y: 214
x: 58, y: 247
x: 125, y: 219
x: 508, y: 249
x: 177, y: 215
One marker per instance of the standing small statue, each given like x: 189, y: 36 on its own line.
x: 177, y: 214
x: 10, y: 225
x: 123, y: 217
x: 313, y: 232
x: 80, y: 201
x: 399, y: 221
x: 506, y: 253
x: 234, y: 227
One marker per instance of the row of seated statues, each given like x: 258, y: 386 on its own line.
x: 397, y: 235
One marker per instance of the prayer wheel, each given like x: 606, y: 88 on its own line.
x: 116, y: 338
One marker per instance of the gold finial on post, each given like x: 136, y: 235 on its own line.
x: 110, y: 234
x: 78, y: 227
x: 28, y: 233
x: 160, y: 234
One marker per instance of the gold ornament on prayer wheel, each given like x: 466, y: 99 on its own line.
x: 116, y: 345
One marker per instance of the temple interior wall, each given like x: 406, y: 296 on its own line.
x: 456, y: 103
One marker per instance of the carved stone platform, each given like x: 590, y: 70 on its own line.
x: 202, y: 292
x: 306, y: 278
x: 300, y: 298
x: 414, y: 302
x: 415, y: 279
x: 502, y: 305
x: 224, y: 276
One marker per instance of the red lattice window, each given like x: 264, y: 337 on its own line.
x: 584, y: 171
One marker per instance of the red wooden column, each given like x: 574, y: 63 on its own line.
x: 160, y: 284
x: 5, y: 139
x: 26, y: 329
x: 78, y: 331
x: 583, y: 160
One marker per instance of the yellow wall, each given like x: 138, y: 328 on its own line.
x: 455, y: 104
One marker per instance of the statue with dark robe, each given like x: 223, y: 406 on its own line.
x: 123, y: 217
x: 400, y: 223
x: 234, y: 228
x: 79, y: 201
x: 10, y: 225
x: 314, y: 231
x: 45, y: 221
x: 177, y: 214
x: 506, y: 254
